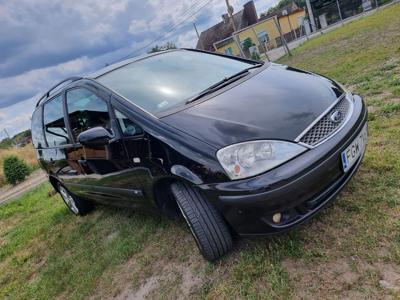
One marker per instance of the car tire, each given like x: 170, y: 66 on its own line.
x: 206, y: 224
x: 77, y: 206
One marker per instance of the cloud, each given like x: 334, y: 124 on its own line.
x: 138, y: 26
x: 17, y: 117
x: 188, y: 38
x: 37, y: 34
x: 34, y: 81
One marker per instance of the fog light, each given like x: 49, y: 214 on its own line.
x: 277, y: 217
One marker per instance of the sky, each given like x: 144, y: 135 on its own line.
x: 45, y: 41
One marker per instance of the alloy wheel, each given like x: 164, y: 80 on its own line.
x: 69, y: 200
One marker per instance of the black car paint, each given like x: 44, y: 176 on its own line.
x: 301, y: 186
x: 182, y: 145
x: 276, y: 102
x: 114, y: 178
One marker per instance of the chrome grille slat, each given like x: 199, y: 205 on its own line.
x: 325, y: 127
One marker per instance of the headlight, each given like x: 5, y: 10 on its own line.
x: 251, y: 158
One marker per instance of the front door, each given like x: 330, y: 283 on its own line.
x: 105, y: 177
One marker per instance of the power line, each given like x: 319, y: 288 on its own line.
x: 164, y: 35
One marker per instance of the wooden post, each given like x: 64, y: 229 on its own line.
x: 311, y: 16
x: 228, y: 7
x: 282, y: 37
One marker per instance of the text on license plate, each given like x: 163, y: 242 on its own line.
x: 355, y: 149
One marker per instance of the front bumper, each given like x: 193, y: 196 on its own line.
x: 298, y: 189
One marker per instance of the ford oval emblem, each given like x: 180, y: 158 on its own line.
x: 336, y: 116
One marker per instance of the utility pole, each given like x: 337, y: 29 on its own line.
x: 282, y: 37
x: 311, y: 16
x: 230, y: 11
x: 5, y: 130
x: 198, y: 36
x: 340, y: 13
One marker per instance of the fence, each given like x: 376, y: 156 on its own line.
x: 333, y: 11
x: 326, y: 14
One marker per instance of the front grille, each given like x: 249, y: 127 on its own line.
x: 325, y: 127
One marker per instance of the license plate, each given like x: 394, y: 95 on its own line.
x: 355, y: 149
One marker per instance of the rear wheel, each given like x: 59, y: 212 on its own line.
x: 76, y: 205
x: 208, y: 228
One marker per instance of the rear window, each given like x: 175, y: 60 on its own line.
x: 37, y: 129
x: 166, y: 80
x: 54, y: 125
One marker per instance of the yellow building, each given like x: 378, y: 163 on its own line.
x: 264, y: 31
x: 291, y: 22
x: 265, y: 34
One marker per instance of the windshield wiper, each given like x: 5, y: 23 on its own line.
x: 223, y: 82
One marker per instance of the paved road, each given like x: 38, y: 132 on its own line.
x: 11, y: 193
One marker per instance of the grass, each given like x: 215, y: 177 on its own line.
x: 26, y: 153
x: 344, y: 252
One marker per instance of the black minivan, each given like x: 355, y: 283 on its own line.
x: 233, y: 145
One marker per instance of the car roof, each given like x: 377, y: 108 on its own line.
x: 125, y: 62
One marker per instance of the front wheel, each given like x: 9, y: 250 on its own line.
x: 208, y: 228
x: 76, y: 205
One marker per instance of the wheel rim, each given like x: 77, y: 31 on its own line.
x: 69, y: 200
x: 189, y: 225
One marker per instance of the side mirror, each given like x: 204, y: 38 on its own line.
x: 97, y: 136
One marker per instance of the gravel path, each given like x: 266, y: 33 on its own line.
x: 9, y: 193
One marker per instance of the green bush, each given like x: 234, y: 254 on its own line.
x: 255, y: 56
x: 247, y: 43
x: 15, y: 169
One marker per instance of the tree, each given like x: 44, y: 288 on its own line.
x: 19, y: 137
x: 167, y: 46
x: 281, y: 4
x: 247, y: 43
x: 255, y: 56
x: 6, y: 143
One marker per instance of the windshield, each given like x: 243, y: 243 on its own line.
x: 163, y: 81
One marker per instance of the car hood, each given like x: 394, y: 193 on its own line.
x: 278, y: 102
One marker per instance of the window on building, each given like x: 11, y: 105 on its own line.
x: 85, y: 111
x: 263, y: 37
x: 54, y: 125
x: 128, y: 127
x: 228, y: 51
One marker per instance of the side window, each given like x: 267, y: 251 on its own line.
x: 263, y: 37
x: 54, y: 125
x: 37, y: 129
x: 128, y: 127
x: 85, y: 111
